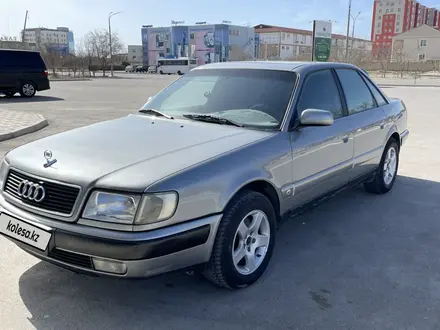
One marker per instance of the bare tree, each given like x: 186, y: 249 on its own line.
x: 383, y: 55
x: 97, y: 44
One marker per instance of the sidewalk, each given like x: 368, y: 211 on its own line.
x: 15, y: 123
x: 407, y: 82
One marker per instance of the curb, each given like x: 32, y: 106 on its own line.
x: 25, y: 130
x: 79, y: 79
x: 397, y: 85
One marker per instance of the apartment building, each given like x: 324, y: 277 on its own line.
x: 60, y: 39
x: 392, y: 17
x: 281, y: 43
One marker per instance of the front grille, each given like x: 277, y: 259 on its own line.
x: 71, y: 258
x: 59, y: 198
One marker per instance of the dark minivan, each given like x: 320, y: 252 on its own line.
x: 22, y: 71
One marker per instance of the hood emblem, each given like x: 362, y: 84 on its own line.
x: 49, y: 160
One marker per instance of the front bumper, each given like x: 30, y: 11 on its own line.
x: 144, y: 254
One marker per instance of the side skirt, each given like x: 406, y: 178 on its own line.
x: 321, y: 199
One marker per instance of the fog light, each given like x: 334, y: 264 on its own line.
x: 108, y: 266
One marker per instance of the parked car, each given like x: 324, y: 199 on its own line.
x: 141, y: 68
x: 129, y: 69
x: 238, y: 148
x: 152, y: 69
x: 23, y: 72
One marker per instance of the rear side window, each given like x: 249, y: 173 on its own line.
x: 357, y: 94
x: 377, y: 95
x: 21, y: 59
x: 321, y: 92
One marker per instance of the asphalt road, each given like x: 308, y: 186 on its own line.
x: 359, y: 261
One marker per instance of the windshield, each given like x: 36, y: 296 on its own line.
x: 257, y: 98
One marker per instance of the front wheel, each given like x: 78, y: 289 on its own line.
x: 244, y: 243
x: 387, y: 172
x: 28, y: 89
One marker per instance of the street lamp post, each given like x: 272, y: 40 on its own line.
x: 352, y: 31
x: 110, y: 40
x: 348, y: 30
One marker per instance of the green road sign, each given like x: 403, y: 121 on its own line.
x: 322, y: 49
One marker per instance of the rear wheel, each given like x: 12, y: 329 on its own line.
x: 28, y: 89
x: 244, y: 243
x: 387, y: 171
x: 161, y: 72
x: 179, y: 73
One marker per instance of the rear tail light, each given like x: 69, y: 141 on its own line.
x: 46, y: 73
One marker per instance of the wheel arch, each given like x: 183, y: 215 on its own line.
x: 264, y: 187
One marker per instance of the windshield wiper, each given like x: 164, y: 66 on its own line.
x: 212, y: 119
x: 156, y: 112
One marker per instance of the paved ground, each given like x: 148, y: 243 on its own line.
x: 357, y: 262
x: 17, y: 123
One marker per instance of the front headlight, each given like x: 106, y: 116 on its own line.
x: 3, y: 171
x: 109, y: 207
x: 130, y: 209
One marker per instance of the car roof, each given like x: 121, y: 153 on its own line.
x: 299, y: 67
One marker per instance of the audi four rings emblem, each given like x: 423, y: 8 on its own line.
x: 31, y: 191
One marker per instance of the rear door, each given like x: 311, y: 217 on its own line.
x: 368, y: 118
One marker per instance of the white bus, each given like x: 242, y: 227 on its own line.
x: 175, y: 65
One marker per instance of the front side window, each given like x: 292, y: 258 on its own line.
x: 357, y: 94
x: 253, y: 98
x: 320, y: 92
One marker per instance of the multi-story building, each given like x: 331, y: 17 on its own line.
x: 60, y: 39
x: 392, y: 17
x: 281, y: 43
x: 207, y: 42
x: 135, y: 55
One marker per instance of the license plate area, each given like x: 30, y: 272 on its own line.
x: 24, y: 232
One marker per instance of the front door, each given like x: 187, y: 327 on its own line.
x: 322, y: 155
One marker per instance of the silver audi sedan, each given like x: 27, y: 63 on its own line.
x: 204, y: 174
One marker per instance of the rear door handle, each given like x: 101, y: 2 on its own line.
x: 345, y: 139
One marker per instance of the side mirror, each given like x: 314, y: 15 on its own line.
x: 315, y: 117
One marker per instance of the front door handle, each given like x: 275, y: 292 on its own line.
x: 345, y: 139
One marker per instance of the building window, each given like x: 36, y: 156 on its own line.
x: 421, y: 56
x: 423, y: 43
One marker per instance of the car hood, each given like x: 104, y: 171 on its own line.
x: 129, y: 153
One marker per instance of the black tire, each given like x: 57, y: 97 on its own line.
x: 220, y: 269
x: 26, y: 87
x: 179, y: 73
x: 161, y: 72
x: 378, y: 185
